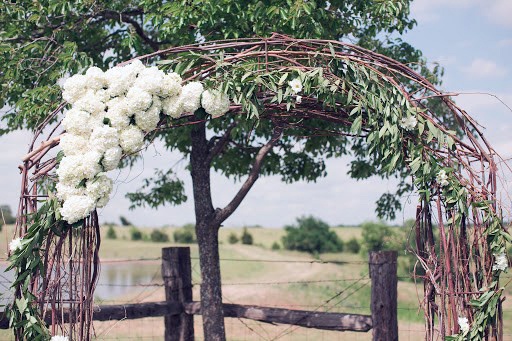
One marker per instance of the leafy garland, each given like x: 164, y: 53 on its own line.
x: 378, y: 107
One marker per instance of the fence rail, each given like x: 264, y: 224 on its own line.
x: 179, y: 308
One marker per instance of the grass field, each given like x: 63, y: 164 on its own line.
x: 252, y: 274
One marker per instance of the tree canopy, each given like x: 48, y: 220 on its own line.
x: 41, y: 42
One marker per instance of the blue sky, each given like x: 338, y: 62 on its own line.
x: 472, y: 39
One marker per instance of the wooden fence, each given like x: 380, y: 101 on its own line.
x: 179, y: 308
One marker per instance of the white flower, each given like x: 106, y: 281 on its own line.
x: 150, y: 79
x: 103, y: 138
x: 59, y: 338
x: 15, y: 244
x: 74, y: 168
x: 99, y: 189
x: 171, y: 85
x: 76, y: 207
x: 295, y: 85
x: 77, y: 122
x: 442, y: 178
x: 64, y: 191
x: 215, y: 103
x: 298, y: 99
x: 73, y: 144
x: 117, y: 119
x: 111, y: 158
x: 90, y: 103
x: 74, y: 88
x: 191, y: 96
x: 138, y: 99
x: 95, y: 78
x: 148, y: 120
x: 172, y: 106
x: 500, y: 262
x: 120, y: 79
x: 408, y: 123
x: 463, y: 324
x: 131, y: 139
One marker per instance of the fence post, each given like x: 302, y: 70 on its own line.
x: 177, y: 276
x: 383, y: 266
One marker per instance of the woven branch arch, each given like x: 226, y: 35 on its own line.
x: 348, y: 92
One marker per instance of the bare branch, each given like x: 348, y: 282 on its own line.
x: 223, y: 214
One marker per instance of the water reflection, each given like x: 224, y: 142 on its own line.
x: 116, y: 279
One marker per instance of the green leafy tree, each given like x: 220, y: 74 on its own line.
x: 311, y: 235
x: 124, y: 221
x: 185, y: 235
x: 40, y: 42
x: 135, y: 234
x: 276, y: 246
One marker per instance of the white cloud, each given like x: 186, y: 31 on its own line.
x: 484, y: 68
x: 499, y: 12
x: 505, y: 43
x: 431, y: 10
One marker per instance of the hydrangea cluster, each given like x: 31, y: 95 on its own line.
x: 110, y: 113
x: 442, y: 178
x: 408, y: 123
x: 500, y: 262
x: 15, y: 244
x: 463, y: 324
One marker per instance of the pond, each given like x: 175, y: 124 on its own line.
x: 116, y: 279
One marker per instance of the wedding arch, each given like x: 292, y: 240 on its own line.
x: 294, y: 87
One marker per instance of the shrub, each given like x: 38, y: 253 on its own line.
x: 6, y: 216
x: 276, y: 246
x: 353, y: 246
x: 185, y: 235
x: 376, y: 236
x: 135, y: 234
x: 311, y: 235
x: 159, y: 236
x: 111, y: 232
x: 246, y: 237
x: 232, y: 239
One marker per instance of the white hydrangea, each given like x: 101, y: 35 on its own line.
x: 102, y: 95
x: 408, y: 123
x: 171, y: 85
x: 74, y: 168
x: 215, y: 103
x: 15, y: 244
x: 131, y: 139
x: 135, y: 67
x: 442, y: 178
x: 95, y: 78
x: 148, y: 120
x: 99, y: 189
x: 90, y: 103
x: 172, y: 106
x: 59, y: 338
x: 77, y: 207
x: 64, y: 191
x: 120, y: 79
x: 76, y: 122
x: 296, y: 85
x: 74, y: 88
x: 73, y: 144
x: 463, y: 324
x: 150, y: 80
x: 103, y: 138
x: 138, y: 99
x: 117, y: 119
x: 111, y: 158
x: 500, y: 262
x: 191, y: 96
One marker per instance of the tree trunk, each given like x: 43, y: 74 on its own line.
x: 207, y: 237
